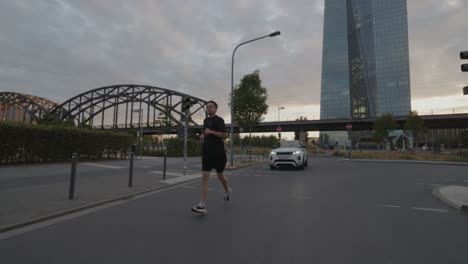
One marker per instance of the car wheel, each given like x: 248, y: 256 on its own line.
x: 272, y: 167
x: 306, y: 163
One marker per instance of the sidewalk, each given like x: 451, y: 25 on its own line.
x: 455, y: 196
x: 410, y: 161
x: 29, y: 203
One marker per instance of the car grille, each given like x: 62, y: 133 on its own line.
x: 284, y: 153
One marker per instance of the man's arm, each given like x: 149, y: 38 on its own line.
x: 216, y: 133
x: 202, y: 136
x: 220, y: 130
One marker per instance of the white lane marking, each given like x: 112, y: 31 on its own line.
x: 388, y: 205
x: 182, y: 179
x: 430, y: 184
x: 465, y: 180
x: 146, y: 167
x: 190, y: 187
x: 104, y: 166
x: 451, y: 180
x: 429, y: 209
x: 167, y: 173
x: 303, y: 197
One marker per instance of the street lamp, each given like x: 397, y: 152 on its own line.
x: 279, y: 108
x: 279, y: 127
x: 141, y: 129
x: 274, y: 34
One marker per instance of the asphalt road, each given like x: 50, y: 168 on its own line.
x: 333, y: 212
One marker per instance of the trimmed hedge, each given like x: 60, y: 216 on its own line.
x: 25, y: 143
x: 259, y: 141
x: 175, y: 148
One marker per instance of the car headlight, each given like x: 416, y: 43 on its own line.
x: 273, y: 153
x: 297, y: 152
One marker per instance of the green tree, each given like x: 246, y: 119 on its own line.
x: 49, y: 119
x: 414, y: 126
x: 249, y: 102
x: 382, y: 127
x: 464, y: 138
x: 402, y: 141
x: 440, y: 140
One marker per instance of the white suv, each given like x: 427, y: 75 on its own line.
x: 290, y: 153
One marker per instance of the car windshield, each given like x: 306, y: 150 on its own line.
x: 290, y: 144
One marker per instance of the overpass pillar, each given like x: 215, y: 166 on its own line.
x: 303, y: 135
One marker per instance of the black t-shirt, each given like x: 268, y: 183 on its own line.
x: 215, y: 123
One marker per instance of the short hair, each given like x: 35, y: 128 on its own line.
x: 213, y: 102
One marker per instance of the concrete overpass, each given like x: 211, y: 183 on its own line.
x: 430, y: 121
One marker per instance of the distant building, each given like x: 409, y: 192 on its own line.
x: 365, y: 62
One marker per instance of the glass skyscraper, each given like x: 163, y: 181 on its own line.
x: 365, y: 62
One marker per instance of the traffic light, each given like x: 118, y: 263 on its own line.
x: 464, y: 56
x: 187, y: 102
x: 464, y: 68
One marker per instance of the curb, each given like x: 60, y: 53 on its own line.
x: 89, y: 206
x: 411, y: 162
x: 436, y: 192
x: 459, y: 207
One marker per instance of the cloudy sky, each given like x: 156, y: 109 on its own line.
x: 57, y: 49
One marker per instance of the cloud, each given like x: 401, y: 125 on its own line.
x: 437, y: 34
x: 57, y: 49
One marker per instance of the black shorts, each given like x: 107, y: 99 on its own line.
x: 214, y: 160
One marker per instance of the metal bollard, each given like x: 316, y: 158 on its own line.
x: 130, y: 177
x: 71, y: 190
x: 164, y: 165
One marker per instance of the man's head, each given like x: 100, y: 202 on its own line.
x: 211, y: 108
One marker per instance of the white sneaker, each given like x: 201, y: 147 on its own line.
x: 199, y: 208
x: 227, y: 195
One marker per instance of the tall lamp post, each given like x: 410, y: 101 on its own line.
x: 279, y: 108
x: 279, y: 127
x: 274, y: 34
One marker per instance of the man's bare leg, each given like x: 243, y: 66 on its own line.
x: 224, y: 181
x: 205, y: 178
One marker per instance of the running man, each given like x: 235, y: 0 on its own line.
x: 213, y: 154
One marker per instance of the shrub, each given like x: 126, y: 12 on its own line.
x: 26, y: 143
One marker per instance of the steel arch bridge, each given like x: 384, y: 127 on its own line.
x: 119, y: 102
x: 23, y: 107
